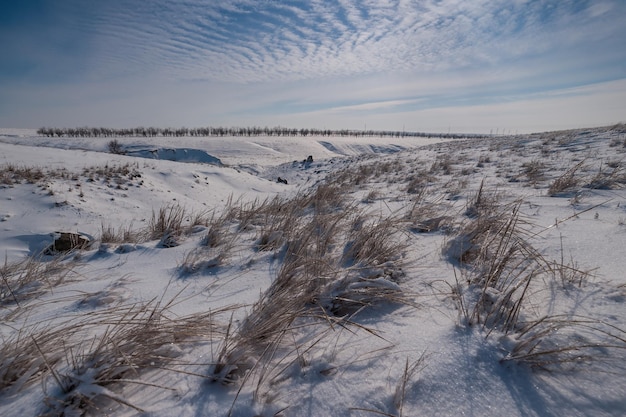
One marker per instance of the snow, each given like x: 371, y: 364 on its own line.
x: 421, y: 355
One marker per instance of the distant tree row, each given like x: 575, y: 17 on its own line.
x: 104, y: 132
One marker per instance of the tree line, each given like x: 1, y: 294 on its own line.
x: 105, y: 132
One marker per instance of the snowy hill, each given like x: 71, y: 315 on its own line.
x: 382, y: 276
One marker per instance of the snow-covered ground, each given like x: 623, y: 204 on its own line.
x: 386, y: 276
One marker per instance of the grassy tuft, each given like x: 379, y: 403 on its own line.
x: 555, y: 342
x: 27, y: 279
x: 136, y: 339
x: 568, y: 181
x: 335, y: 263
x: 124, y: 234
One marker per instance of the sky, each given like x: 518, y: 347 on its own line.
x: 482, y: 66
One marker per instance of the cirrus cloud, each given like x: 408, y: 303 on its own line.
x: 255, y: 59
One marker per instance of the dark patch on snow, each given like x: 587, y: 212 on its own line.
x: 175, y: 154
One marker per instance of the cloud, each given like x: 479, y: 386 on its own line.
x: 246, y: 41
x: 592, y: 105
x: 255, y: 59
x: 372, y: 106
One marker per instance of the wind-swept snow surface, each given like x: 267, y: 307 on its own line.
x: 378, y: 277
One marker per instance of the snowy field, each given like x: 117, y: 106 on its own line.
x: 382, y: 276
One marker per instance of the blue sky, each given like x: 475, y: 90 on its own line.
x: 431, y: 65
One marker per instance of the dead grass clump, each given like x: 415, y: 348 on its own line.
x: 115, y: 147
x: 170, y: 223
x: 277, y: 220
x: 400, y: 392
x: 425, y: 216
x: 21, y: 361
x: 371, y: 196
x: 246, y: 215
x: 555, y: 342
x: 502, y: 273
x: 502, y: 266
x: 12, y: 174
x: 280, y: 220
x: 418, y: 183
x: 262, y: 332
x: 534, y: 171
x: 27, y: 279
x: 206, y: 258
x: 442, y: 164
x: 269, y: 241
x: 482, y: 160
x: 372, y: 244
x: 359, y: 176
x: 611, y: 178
x: 370, y: 268
x: 361, y: 173
x: 124, y: 234
x: 91, y: 357
x: 568, y: 181
x: 218, y: 230
x: 318, y: 283
x: 216, y: 234
x: 216, y: 246
x: 483, y: 203
x: 118, y: 173
x: 326, y: 198
x: 135, y: 340
x: 364, y: 288
x: 568, y: 273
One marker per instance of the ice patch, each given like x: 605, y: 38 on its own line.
x: 175, y: 154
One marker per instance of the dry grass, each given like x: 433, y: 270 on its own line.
x: 554, y: 342
x: 336, y: 262
x: 89, y: 374
x: 12, y: 174
x: 167, y: 225
x: 441, y: 165
x: 534, y: 171
x: 91, y: 357
x: 142, y: 339
x: 117, y: 173
x: 568, y: 181
x: 278, y: 221
x: 205, y: 258
x: 123, y: 234
x: 483, y: 203
x: 372, y: 243
x: 400, y: 393
x: 364, y: 173
x: 27, y: 279
x: 115, y: 147
x: 21, y: 362
x: 568, y: 273
x: 425, y: 214
x: 502, y: 272
x: 171, y: 223
x: 502, y: 267
x: 218, y: 232
x: 215, y: 248
x: 614, y: 176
